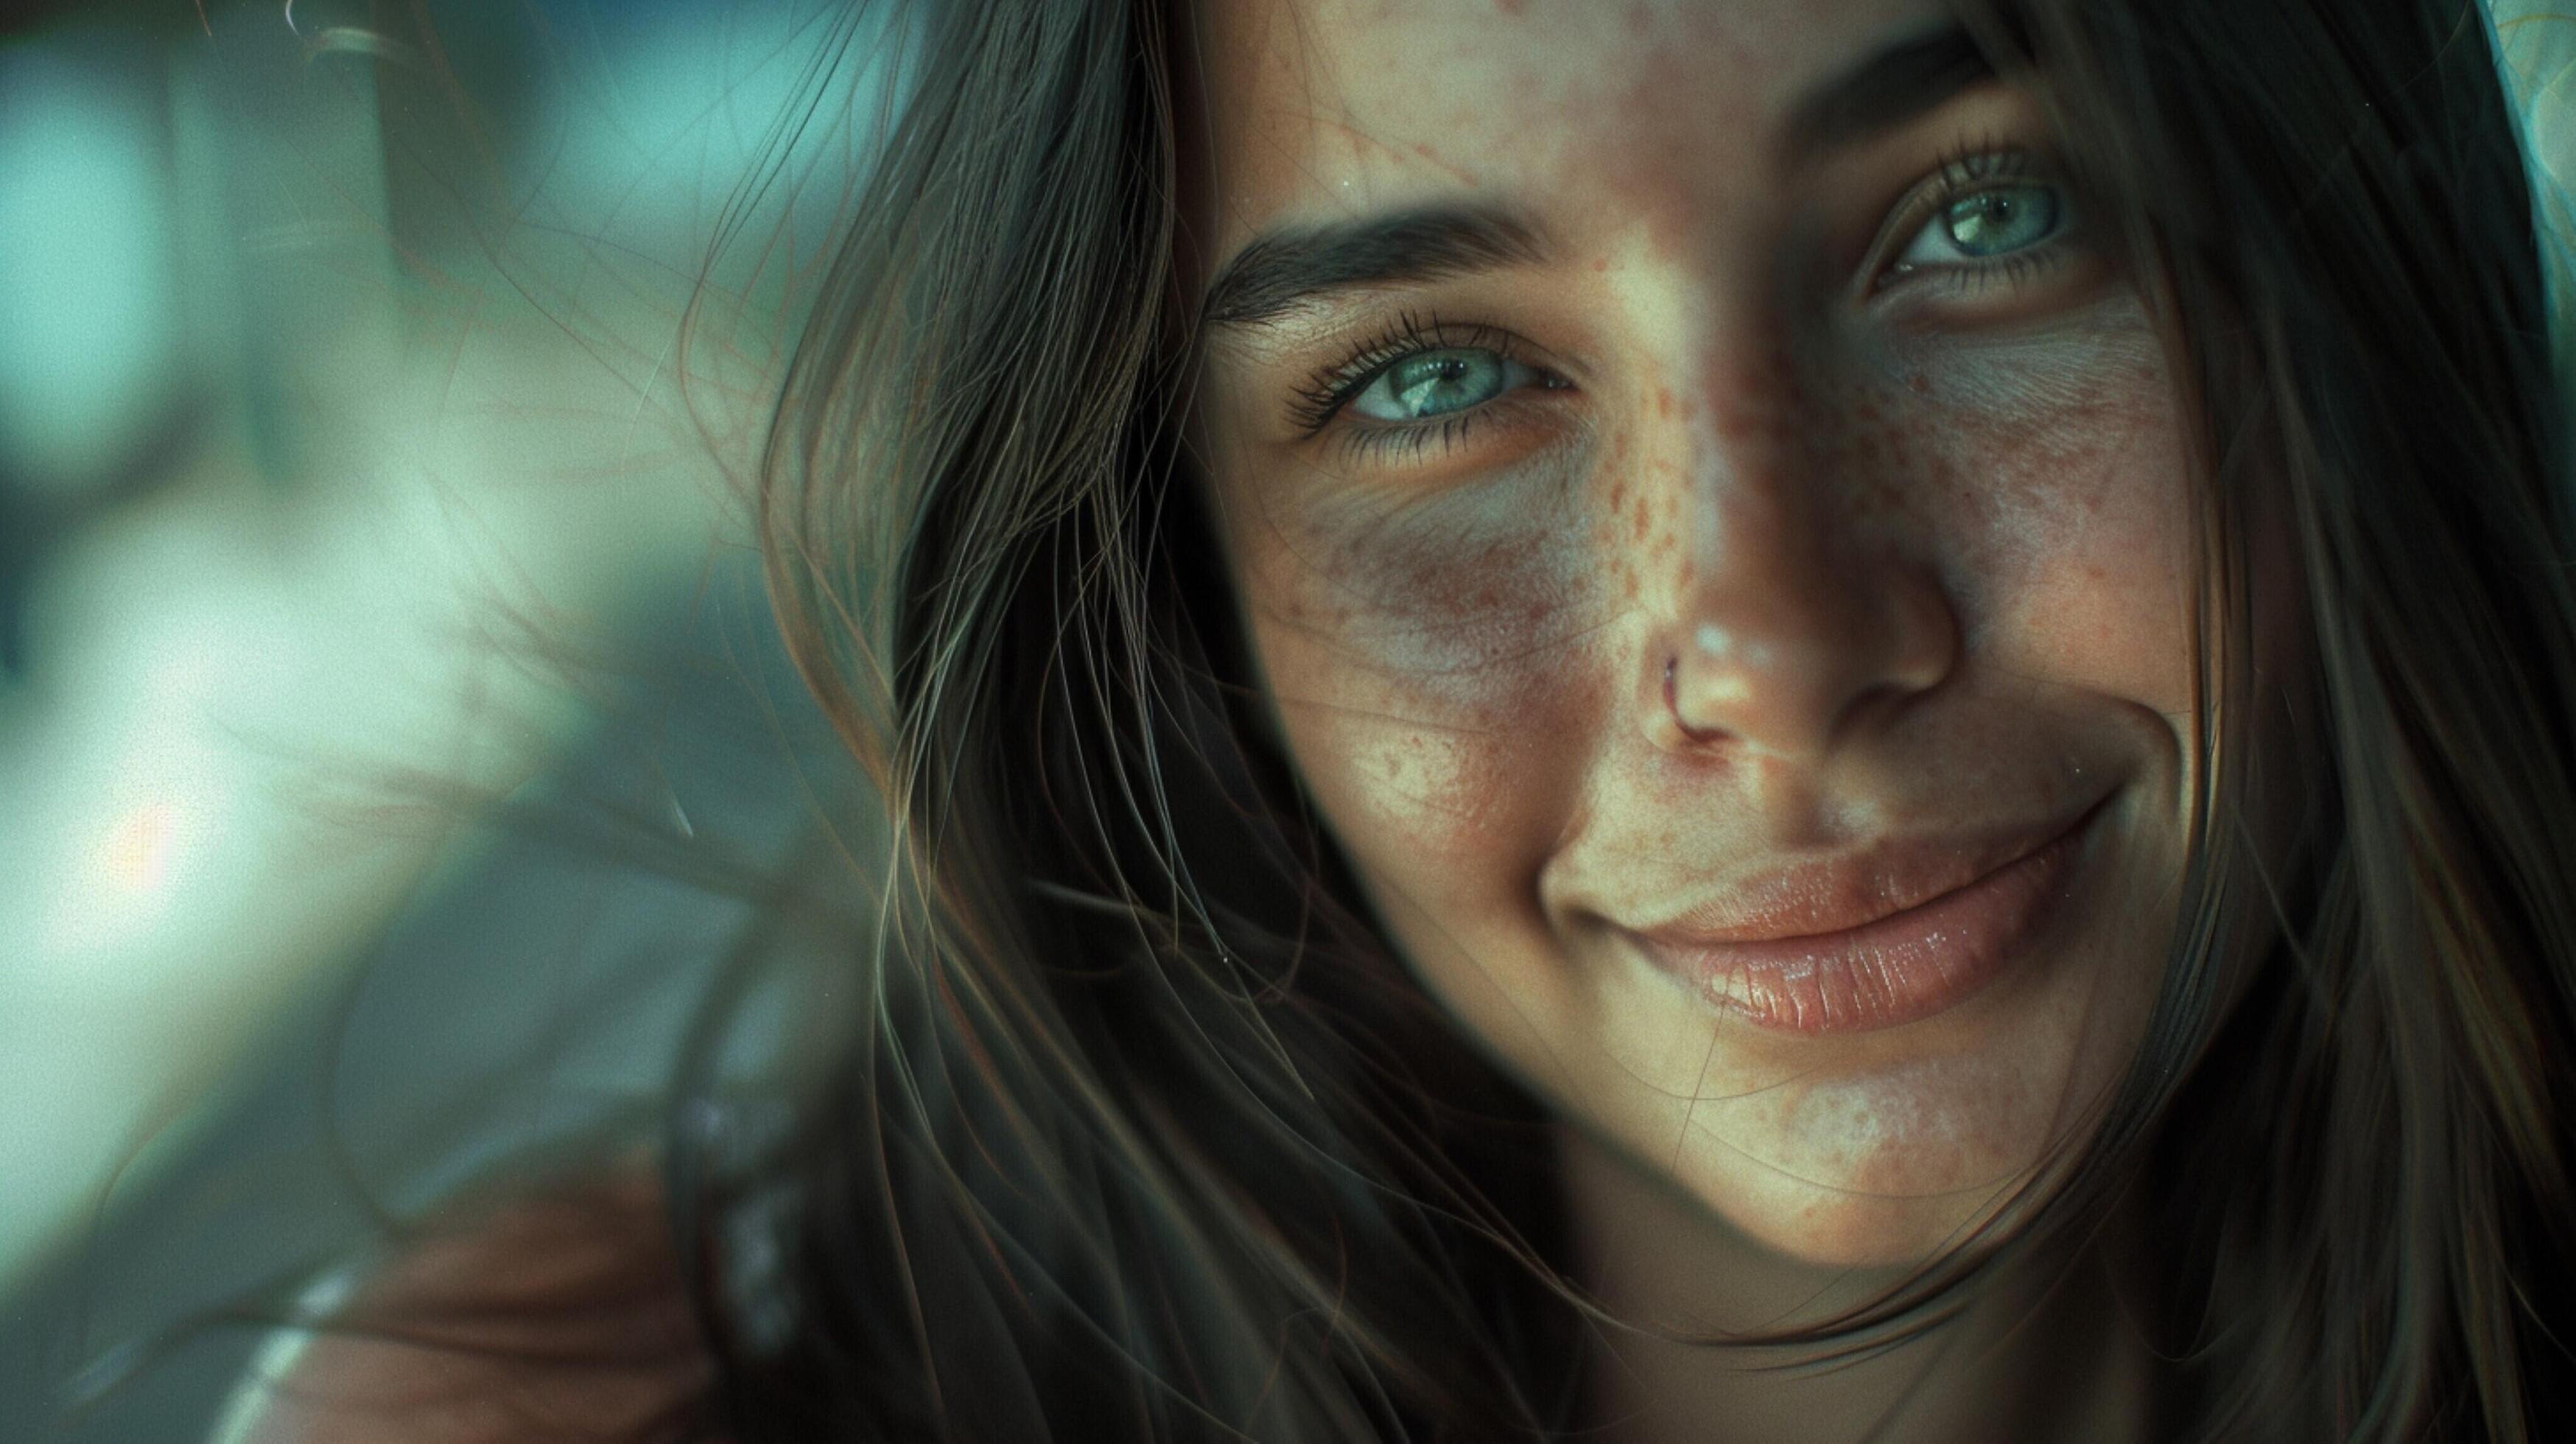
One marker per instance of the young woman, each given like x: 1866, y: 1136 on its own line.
x: 1702, y: 719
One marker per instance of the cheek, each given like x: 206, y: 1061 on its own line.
x: 2069, y: 458
x: 2051, y: 469
x: 1427, y: 662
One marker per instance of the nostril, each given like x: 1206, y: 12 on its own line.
x: 1672, y: 697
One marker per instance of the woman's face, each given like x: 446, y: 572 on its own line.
x: 1710, y: 510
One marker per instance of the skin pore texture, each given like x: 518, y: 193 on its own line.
x: 1747, y: 506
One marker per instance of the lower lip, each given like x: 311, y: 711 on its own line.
x: 1903, y: 967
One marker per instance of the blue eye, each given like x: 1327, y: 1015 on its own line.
x: 1439, y: 383
x: 2001, y: 221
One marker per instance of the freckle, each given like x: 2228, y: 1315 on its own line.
x: 1619, y: 493
x: 1690, y: 572
x: 1600, y: 264
x: 1919, y: 383
x: 1512, y: 7
x: 1663, y: 401
x: 1639, y: 18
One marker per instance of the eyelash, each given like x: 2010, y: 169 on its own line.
x: 1959, y: 174
x: 1965, y: 172
x: 1315, y: 404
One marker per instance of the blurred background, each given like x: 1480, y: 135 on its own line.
x: 389, y: 713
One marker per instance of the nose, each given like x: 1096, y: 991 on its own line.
x: 1789, y: 622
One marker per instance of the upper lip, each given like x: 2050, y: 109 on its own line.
x: 1836, y: 895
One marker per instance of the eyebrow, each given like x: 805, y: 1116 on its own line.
x: 1902, y: 82
x: 1290, y: 266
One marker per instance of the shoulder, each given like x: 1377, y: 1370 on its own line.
x: 556, y: 1316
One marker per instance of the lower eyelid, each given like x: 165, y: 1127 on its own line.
x: 1443, y: 435
x: 2060, y: 252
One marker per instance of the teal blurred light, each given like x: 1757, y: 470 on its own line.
x: 89, y: 316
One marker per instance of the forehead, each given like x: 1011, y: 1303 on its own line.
x: 1320, y: 109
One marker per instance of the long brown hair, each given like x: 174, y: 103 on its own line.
x: 1136, y: 1128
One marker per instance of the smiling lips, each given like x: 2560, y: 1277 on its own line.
x: 1856, y: 945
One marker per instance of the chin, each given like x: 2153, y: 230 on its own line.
x: 1875, y: 1172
